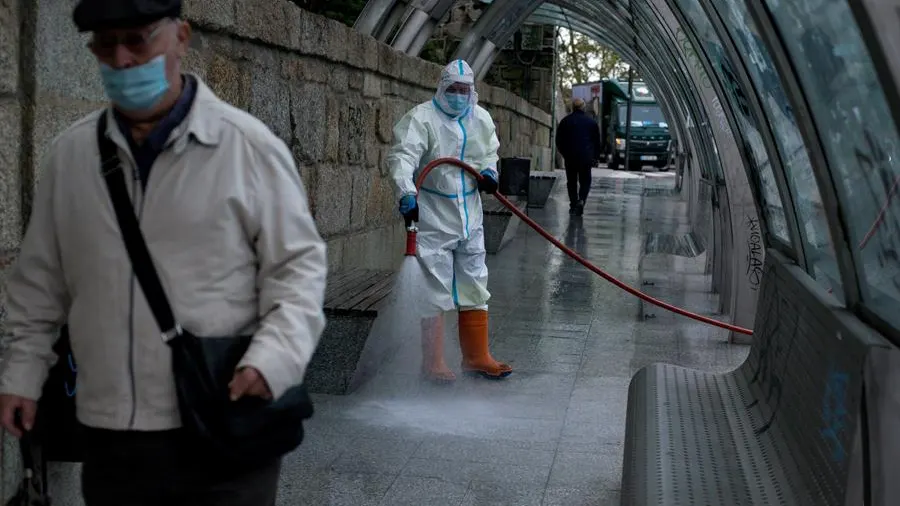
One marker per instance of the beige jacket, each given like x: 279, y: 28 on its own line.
x: 226, y: 219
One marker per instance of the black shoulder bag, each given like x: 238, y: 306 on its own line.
x: 57, y: 428
x: 248, y: 431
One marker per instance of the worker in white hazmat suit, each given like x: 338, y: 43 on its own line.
x: 448, y: 210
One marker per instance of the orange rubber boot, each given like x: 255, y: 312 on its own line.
x: 473, y: 340
x: 433, y: 366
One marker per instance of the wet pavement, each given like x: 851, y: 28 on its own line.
x: 552, y: 433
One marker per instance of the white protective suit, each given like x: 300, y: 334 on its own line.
x: 451, y: 236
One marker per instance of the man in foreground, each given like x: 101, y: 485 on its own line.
x: 225, y: 218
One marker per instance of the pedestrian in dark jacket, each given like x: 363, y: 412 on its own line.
x: 578, y: 140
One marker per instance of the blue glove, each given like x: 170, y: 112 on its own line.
x: 487, y: 184
x: 408, y: 208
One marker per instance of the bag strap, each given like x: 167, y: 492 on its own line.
x: 141, y: 261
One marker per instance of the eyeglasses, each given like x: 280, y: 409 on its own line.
x: 135, y: 42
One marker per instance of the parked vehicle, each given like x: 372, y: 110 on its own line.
x: 651, y: 142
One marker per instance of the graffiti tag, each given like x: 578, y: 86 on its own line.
x: 772, y: 353
x: 720, y: 115
x: 755, y: 253
x: 691, y: 54
x: 834, y: 413
x: 769, y: 350
x: 740, y: 98
x: 881, y: 181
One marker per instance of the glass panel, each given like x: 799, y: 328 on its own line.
x: 710, y: 167
x: 859, y: 135
x: 795, y: 159
x: 749, y: 131
x: 693, y: 60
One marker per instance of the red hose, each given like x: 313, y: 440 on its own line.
x: 578, y: 258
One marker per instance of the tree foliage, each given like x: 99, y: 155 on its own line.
x: 345, y: 11
x: 438, y: 50
x: 582, y: 59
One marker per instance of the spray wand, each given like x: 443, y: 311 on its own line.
x: 411, y: 231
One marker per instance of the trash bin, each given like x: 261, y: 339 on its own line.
x: 540, y: 188
x: 514, y: 176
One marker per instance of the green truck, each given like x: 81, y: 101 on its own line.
x: 651, y: 143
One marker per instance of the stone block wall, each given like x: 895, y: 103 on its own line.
x: 333, y: 95
x: 10, y: 136
x: 330, y: 93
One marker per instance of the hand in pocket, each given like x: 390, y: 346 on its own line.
x: 248, y: 381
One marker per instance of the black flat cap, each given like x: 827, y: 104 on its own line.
x: 96, y: 15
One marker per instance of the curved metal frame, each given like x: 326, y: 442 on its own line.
x: 420, y: 24
x: 737, y: 292
x: 693, y: 100
x: 795, y: 250
x: 742, y: 201
x: 684, y: 98
x: 625, y: 50
x: 695, y: 114
x: 658, y: 51
x: 373, y: 16
x: 614, y: 42
x: 821, y: 170
x: 667, y: 96
x: 720, y: 221
x: 555, y: 15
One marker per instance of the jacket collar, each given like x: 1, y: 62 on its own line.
x: 203, y: 120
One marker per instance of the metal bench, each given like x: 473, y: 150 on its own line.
x: 499, y: 225
x: 352, y: 300
x: 540, y: 186
x: 779, y: 430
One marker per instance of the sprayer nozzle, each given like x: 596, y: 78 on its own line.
x: 411, y: 241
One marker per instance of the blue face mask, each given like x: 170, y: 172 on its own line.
x: 136, y: 88
x: 457, y: 102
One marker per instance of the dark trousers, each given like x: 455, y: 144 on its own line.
x: 578, y: 174
x: 130, y: 468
